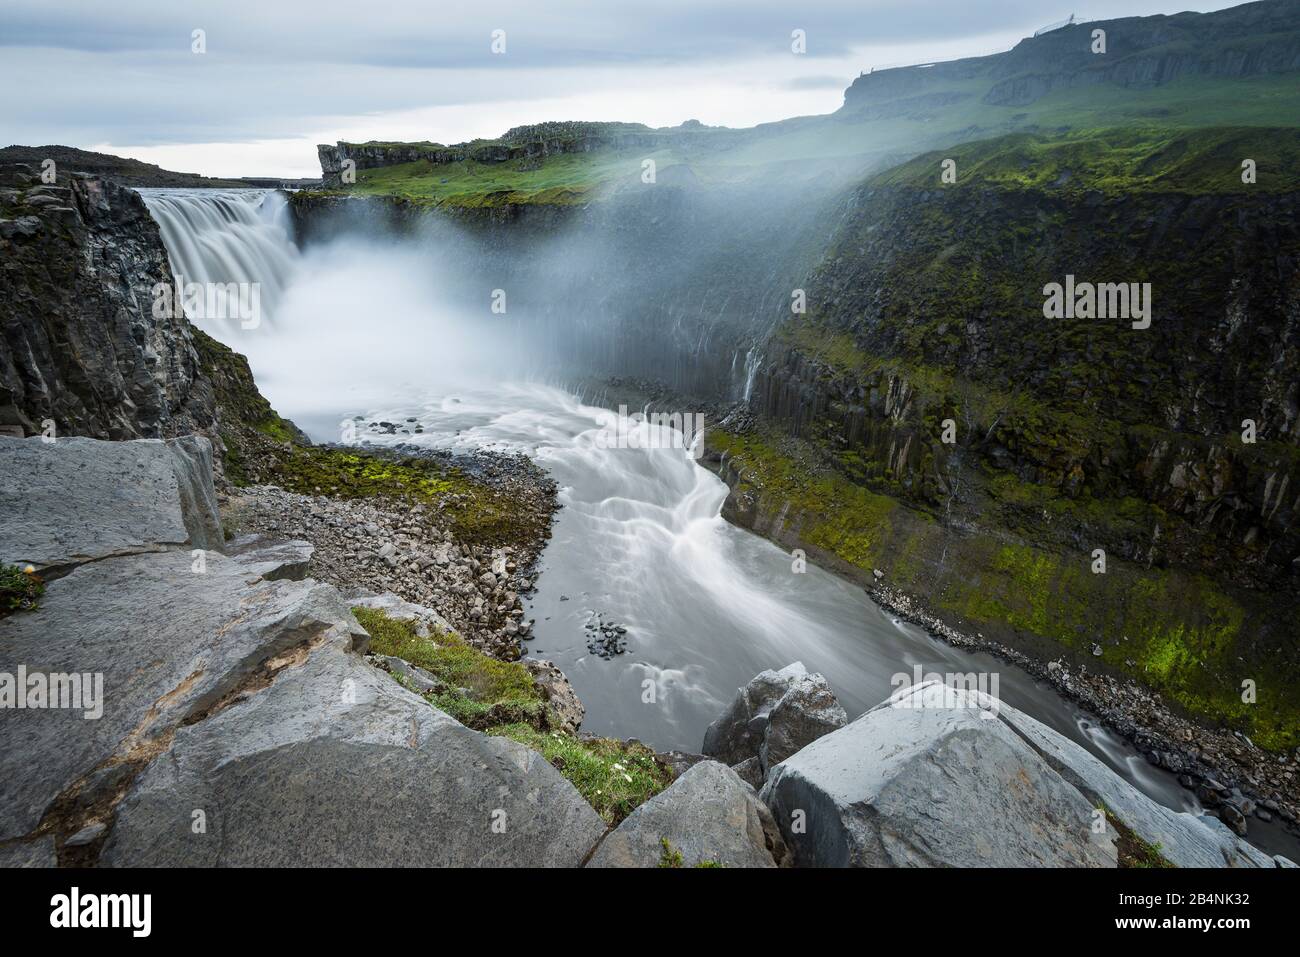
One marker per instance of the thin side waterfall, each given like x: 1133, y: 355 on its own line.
x: 227, y: 236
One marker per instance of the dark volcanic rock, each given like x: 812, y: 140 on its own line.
x: 79, y: 343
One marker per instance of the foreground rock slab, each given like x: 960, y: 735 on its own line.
x: 76, y: 500
x: 708, y: 815
x: 335, y: 764
x: 921, y: 782
x: 1185, y: 840
x: 167, y: 643
x: 205, y: 709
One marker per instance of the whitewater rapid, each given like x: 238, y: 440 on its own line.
x: 639, y: 540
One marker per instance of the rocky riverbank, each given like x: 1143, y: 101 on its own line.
x: 231, y: 712
x: 1230, y: 775
x: 412, y: 547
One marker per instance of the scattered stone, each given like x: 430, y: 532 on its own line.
x: 604, y: 639
x: 87, y: 835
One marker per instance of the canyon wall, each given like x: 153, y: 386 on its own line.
x: 81, y: 344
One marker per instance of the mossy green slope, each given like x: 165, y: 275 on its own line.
x: 501, y: 699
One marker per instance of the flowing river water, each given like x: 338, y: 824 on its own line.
x: 639, y: 539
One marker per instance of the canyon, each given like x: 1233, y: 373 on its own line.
x: 929, y: 466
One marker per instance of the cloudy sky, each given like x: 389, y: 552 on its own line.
x: 279, y: 76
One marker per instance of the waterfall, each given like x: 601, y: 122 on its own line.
x: 217, y: 237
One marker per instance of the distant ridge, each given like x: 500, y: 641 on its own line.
x: 126, y: 172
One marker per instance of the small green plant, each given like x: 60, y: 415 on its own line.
x: 20, y: 589
x: 1131, y: 849
x: 614, y: 776
x: 669, y: 856
x: 479, y: 691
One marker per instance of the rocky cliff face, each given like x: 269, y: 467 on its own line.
x: 521, y: 143
x: 81, y: 346
x: 953, y: 438
x: 936, y: 299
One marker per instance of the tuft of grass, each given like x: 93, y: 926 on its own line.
x: 614, y: 776
x: 1132, y: 850
x: 20, y: 590
x: 669, y: 856
x: 481, y: 691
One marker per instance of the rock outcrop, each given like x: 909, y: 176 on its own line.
x: 771, y: 718
x: 222, y: 711
x: 941, y: 777
x: 75, y: 500
x: 708, y: 817
x: 1185, y: 840
x: 79, y: 343
x: 922, y: 784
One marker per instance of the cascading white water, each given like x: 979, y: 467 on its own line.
x: 227, y: 236
x: 640, y: 539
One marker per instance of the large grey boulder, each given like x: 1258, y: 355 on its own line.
x: 168, y: 641
x: 1185, y: 840
x: 926, y: 781
x: 78, y: 500
x: 708, y: 815
x: 241, y: 726
x: 335, y: 764
x: 772, y: 717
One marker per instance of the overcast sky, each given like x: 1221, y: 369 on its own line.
x: 280, y: 76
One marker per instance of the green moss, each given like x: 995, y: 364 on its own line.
x: 480, y: 690
x: 669, y: 856
x: 1177, y: 632
x: 1131, y: 849
x: 477, y: 513
x: 19, y: 590
x: 613, y: 776
x: 1117, y: 160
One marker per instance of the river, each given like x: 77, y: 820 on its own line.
x: 639, y: 539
